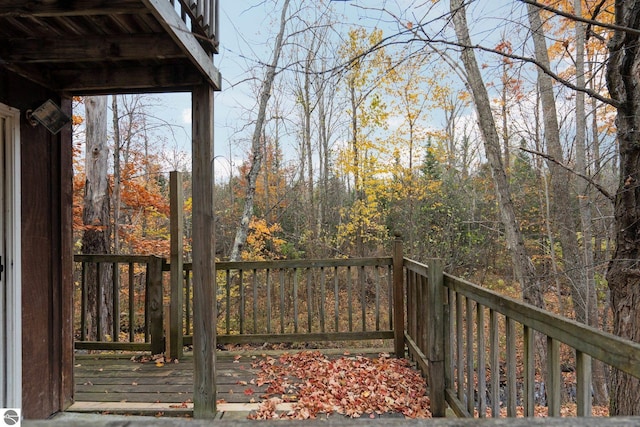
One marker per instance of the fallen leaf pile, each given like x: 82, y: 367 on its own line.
x: 351, y: 386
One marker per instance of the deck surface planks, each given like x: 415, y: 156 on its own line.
x: 117, y: 384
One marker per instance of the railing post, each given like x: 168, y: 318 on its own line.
x: 436, y: 338
x: 398, y: 297
x: 174, y: 337
x: 155, y: 304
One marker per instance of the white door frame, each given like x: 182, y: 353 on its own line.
x: 11, y: 280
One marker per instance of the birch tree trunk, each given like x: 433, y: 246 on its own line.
x: 95, y: 217
x: 522, y: 264
x: 257, y: 143
x: 624, y: 268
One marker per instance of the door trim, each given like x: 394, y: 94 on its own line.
x: 12, y: 274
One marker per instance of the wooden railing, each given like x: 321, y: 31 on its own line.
x: 301, y: 301
x: 136, y: 301
x: 475, y: 347
x: 258, y: 302
x: 202, y: 16
x: 454, y: 334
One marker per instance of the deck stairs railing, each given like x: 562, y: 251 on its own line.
x: 475, y: 347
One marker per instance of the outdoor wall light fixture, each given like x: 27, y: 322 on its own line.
x: 48, y: 115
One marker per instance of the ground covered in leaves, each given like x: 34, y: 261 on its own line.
x: 353, y: 386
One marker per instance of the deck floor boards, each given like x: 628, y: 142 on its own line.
x: 118, y: 384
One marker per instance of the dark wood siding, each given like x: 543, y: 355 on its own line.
x: 46, y: 253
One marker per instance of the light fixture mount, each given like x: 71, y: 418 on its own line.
x: 48, y: 115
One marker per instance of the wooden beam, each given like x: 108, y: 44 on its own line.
x: 436, y: 339
x: 126, y: 79
x: 398, y: 297
x: 177, y: 272
x: 85, y: 49
x: 44, y: 8
x: 175, y: 26
x: 204, y: 284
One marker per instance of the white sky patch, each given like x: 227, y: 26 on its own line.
x: 186, y: 116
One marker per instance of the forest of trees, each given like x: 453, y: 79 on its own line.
x: 490, y: 137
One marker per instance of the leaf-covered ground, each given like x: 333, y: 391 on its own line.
x: 353, y: 386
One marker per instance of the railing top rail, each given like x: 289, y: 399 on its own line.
x: 290, y: 264
x: 416, y: 267
x: 613, y: 350
x: 136, y: 259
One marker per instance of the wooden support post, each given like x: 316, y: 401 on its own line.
x: 398, y: 297
x: 174, y: 337
x: 436, y: 339
x: 204, y: 284
x: 155, y: 305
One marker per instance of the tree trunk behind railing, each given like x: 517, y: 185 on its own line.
x: 624, y: 272
x: 95, y: 217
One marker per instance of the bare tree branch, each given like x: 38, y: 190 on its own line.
x: 581, y: 19
x: 597, y: 186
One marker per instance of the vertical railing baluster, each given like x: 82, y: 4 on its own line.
x: 147, y: 278
x: 255, y: 302
x: 132, y: 301
x: 419, y: 308
x: 268, y: 300
x: 583, y: 384
x: 116, y: 303
x: 309, y: 301
x: 482, y: 367
x: 281, y: 273
x: 378, y: 278
x: 323, y: 297
x: 495, y: 363
x: 362, y: 281
x: 350, y: 298
x: 242, y: 300
x: 228, y: 298
x: 216, y: 20
x: 99, y: 302
x: 424, y: 314
x: 336, y: 303
x: 187, y: 301
x: 553, y: 377
x: 83, y: 298
x: 448, y: 340
x: 512, y: 393
x: 413, y: 297
x: 470, y: 356
x: 206, y: 14
x: 390, y: 296
x: 295, y: 300
x: 529, y: 373
x: 459, y: 347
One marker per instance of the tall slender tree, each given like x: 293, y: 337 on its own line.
x: 257, y: 140
x: 522, y: 264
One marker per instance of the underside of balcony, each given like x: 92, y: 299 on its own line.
x: 118, y: 46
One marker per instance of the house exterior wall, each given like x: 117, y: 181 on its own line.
x: 47, y: 285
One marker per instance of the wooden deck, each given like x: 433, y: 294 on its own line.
x: 116, y: 384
